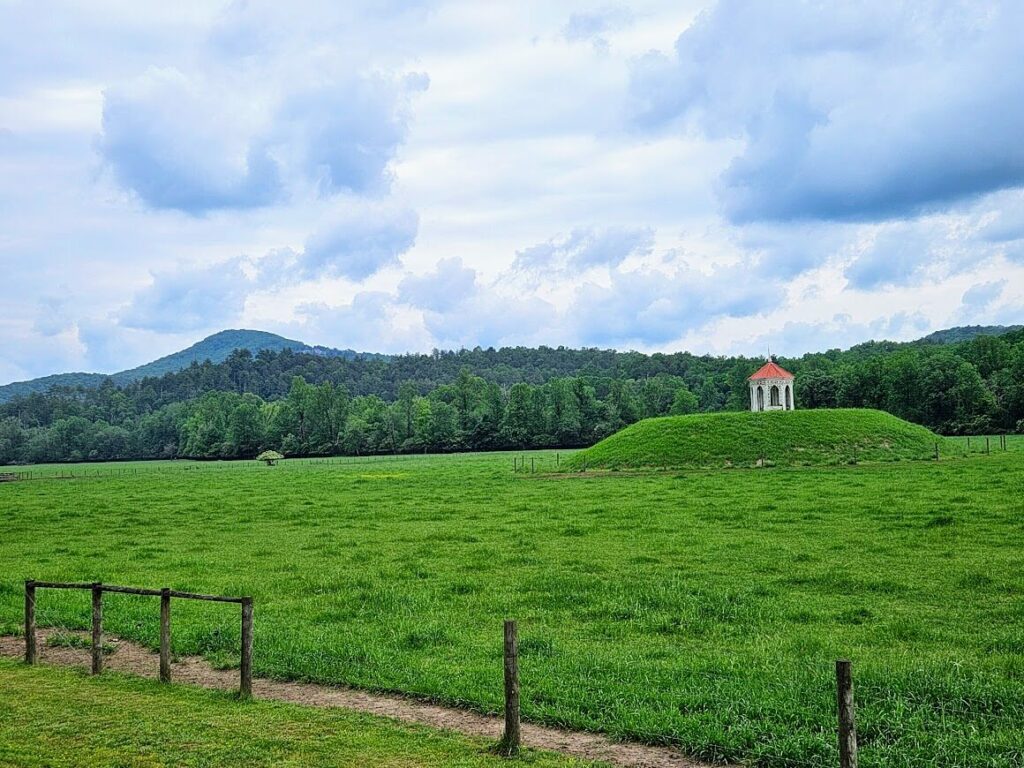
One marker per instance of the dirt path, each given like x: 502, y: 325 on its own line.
x: 134, y: 659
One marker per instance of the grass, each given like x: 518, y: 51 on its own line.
x: 794, y: 438
x: 59, y: 717
x: 703, y: 609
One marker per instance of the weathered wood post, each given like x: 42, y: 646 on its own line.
x: 511, y: 739
x: 968, y: 442
x: 987, y: 451
x: 558, y: 461
x: 97, y: 628
x: 165, y: 635
x: 30, y: 622
x: 245, y: 688
x: 847, y: 719
x: 533, y: 468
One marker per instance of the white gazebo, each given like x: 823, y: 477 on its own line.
x: 771, y: 389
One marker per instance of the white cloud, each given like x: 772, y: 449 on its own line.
x: 555, y: 183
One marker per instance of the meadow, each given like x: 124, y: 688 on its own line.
x: 60, y: 717
x: 702, y: 608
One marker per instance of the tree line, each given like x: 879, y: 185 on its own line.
x: 513, y: 398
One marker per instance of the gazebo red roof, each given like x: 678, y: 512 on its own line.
x: 771, y: 370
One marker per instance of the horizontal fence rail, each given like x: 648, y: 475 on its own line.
x: 97, y: 589
x: 511, y: 739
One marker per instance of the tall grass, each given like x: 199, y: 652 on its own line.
x: 701, y: 609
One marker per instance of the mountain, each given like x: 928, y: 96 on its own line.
x: 967, y: 332
x: 215, y: 348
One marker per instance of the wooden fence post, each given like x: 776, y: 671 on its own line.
x: 847, y: 720
x: 30, y: 622
x: 97, y: 628
x: 936, y: 450
x: 510, y: 740
x: 987, y: 450
x: 245, y: 689
x: 165, y: 635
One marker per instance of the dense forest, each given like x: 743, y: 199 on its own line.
x: 487, y: 399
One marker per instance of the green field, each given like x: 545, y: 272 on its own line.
x: 703, y: 609
x: 60, y: 717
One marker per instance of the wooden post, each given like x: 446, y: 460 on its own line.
x: 532, y: 467
x: 511, y: 739
x: 936, y: 450
x: 968, y: 442
x: 987, y: 451
x: 97, y: 628
x: 30, y: 622
x: 558, y: 462
x: 165, y: 635
x: 847, y: 723
x: 245, y: 689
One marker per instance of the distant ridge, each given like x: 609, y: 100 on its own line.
x: 219, y: 346
x: 215, y: 348
x: 968, y: 332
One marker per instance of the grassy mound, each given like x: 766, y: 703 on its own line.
x: 814, y: 437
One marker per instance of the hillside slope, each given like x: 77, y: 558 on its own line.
x: 809, y: 437
x: 967, y: 332
x: 216, y: 348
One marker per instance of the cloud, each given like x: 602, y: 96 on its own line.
x: 979, y: 297
x: 591, y: 26
x: 359, y: 241
x: 54, y: 316
x: 490, y: 318
x: 894, y: 258
x: 653, y: 306
x: 184, y: 144
x: 448, y: 285
x: 840, y: 331
x: 347, y: 132
x: 221, y: 141
x: 190, y: 299
x: 868, y: 111
x: 370, y: 322
x: 586, y: 247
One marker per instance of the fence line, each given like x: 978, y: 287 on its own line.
x: 96, y: 645
x: 511, y: 739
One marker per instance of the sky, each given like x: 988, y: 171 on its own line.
x: 713, y: 176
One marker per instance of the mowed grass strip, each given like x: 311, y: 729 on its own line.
x: 702, y: 609
x: 59, y: 717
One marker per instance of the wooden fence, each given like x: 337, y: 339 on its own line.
x: 511, y: 740
x: 165, y: 595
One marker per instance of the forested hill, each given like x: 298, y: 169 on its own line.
x: 481, y: 399
x: 215, y: 348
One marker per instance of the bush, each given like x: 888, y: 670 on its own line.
x: 270, y: 457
